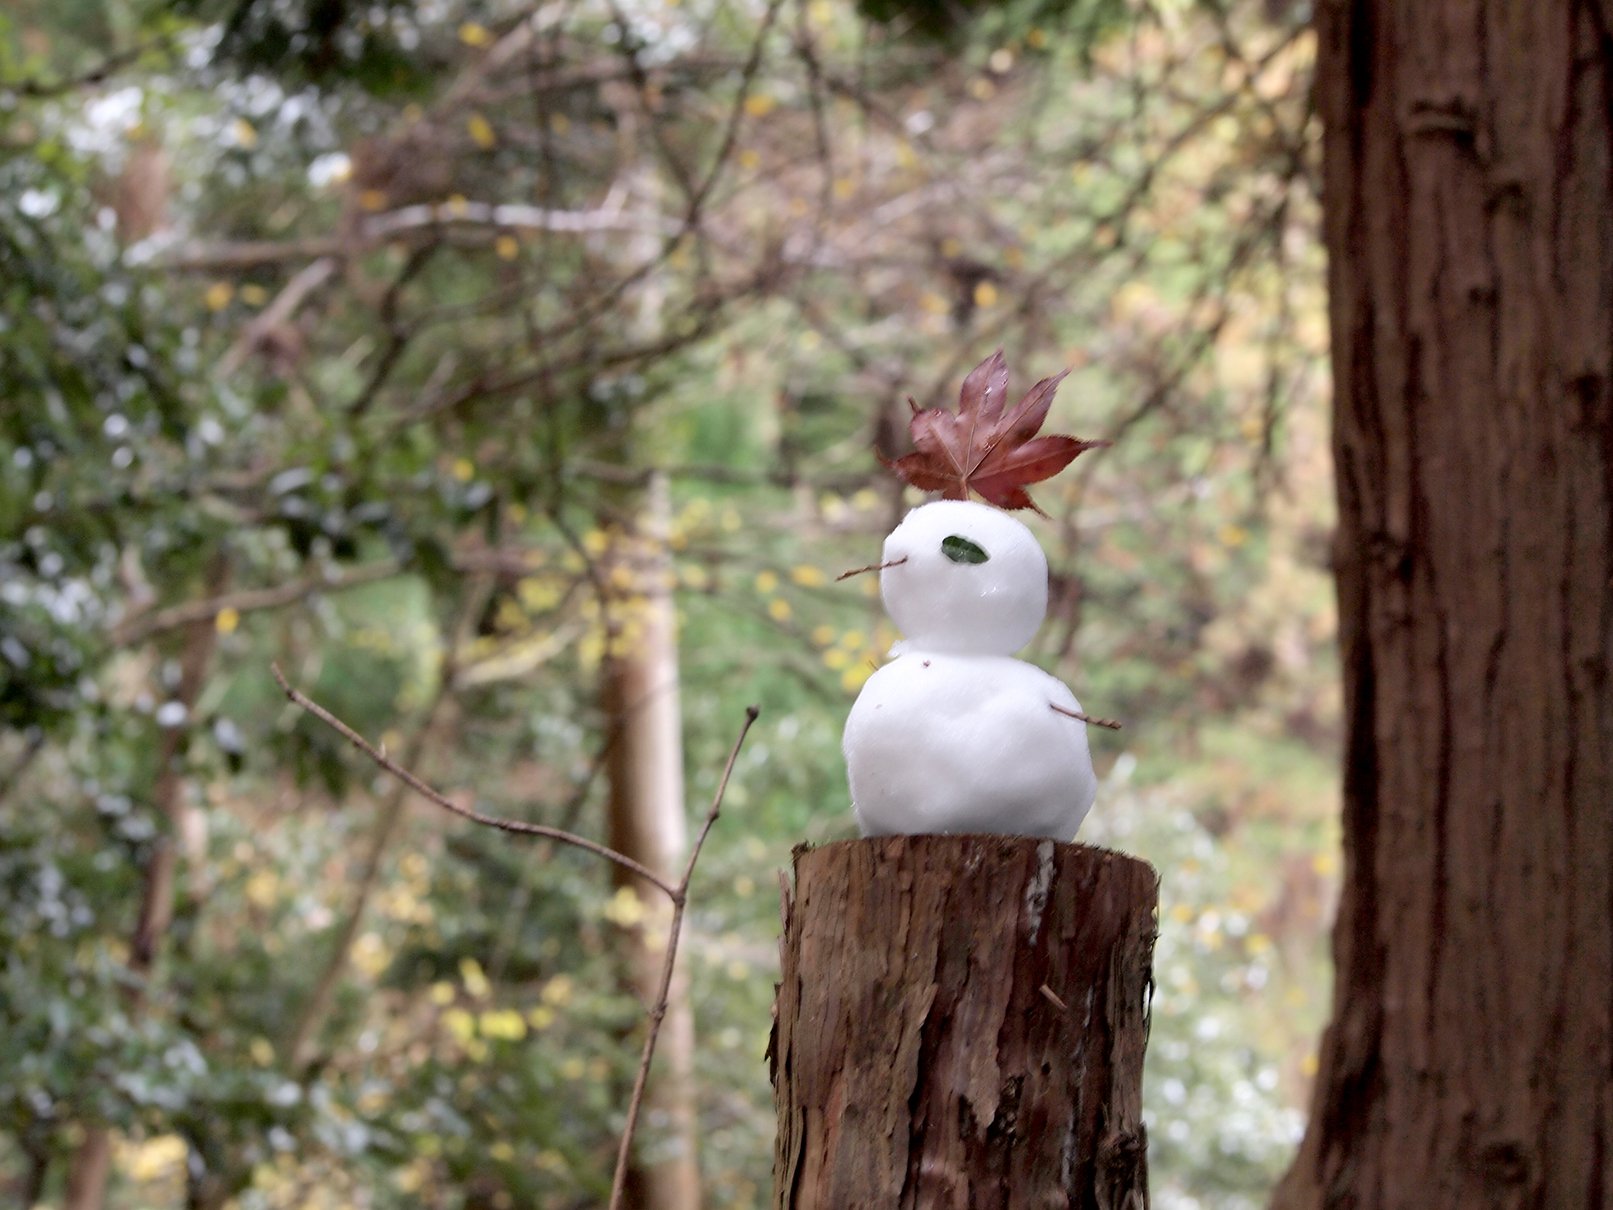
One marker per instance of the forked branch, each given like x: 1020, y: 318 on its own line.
x: 679, y: 894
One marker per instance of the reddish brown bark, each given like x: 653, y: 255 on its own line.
x: 1468, y: 194
x: 960, y: 1024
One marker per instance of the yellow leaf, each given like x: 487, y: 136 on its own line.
x: 464, y: 470
x: 442, y: 992
x: 985, y: 294
x: 476, y: 983
x: 573, y: 1069
x: 245, y: 135
x: 472, y: 34
x: 218, y: 295
x: 459, y: 1023
x: 823, y: 635
x: 558, y: 991
x: 507, y: 247
x: 624, y: 908
x: 262, y: 1053
x: 504, y: 1023
x: 254, y: 295
x: 227, y: 619
x: 502, y: 1152
x: 480, y: 131
x: 371, y: 955
x: 541, y: 1017
x: 759, y: 104
x: 372, y: 200
x: 766, y: 582
x: 262, y: 889
x: 779, y: 609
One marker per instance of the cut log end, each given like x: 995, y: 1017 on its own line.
x: 961, y: 1023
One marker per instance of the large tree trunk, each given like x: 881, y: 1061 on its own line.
x: 644, y: 761
x: 960, y: 1025
x: 1469, y: 227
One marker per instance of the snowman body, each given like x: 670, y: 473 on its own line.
x: 955, y: 735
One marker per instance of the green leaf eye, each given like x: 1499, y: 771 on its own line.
x: 961, y: 550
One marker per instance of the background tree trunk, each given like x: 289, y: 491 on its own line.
x: 644, y: 762
x: 91, y: 1163
x: 961, y: 1023
x: 1469, y: 227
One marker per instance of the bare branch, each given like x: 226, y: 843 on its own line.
x: 419, y: 787
x: 1086, y: 718
x: 857, y: 571
x: 308, y: 279
x: 680, y: 899
x: 142, y: 626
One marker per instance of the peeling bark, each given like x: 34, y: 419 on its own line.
x: 961, y: 1023
x: 1468, y: 201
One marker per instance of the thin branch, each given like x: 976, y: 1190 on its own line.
x: 1086, y: 718
x: 108, y: 67
x: 680, y: 899
x: 142, y: 626
x: 279, y: 312
x: 31, y: 748
x: 420, y: 787
x: 846, y: 575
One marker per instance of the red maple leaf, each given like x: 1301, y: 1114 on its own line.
x: 983, y: 448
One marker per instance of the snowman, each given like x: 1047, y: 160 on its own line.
x: 955, y: 735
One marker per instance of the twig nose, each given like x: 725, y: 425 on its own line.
x: 846, y: 575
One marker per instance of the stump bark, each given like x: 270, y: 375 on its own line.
x: 961, y: 1025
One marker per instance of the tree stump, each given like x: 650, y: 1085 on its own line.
x: 961, y: 1024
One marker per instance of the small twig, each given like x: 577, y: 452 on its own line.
x: 1087, y: 718
x: 140, y: 626
x: 680, y: 898
x: 420, y: 787
x: 307, y: 279
x: 1053, y: 998
x: 846, y: 575
x: 33, y: 746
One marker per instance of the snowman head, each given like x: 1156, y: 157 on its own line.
x: 974, y: 580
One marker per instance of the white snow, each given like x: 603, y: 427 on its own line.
x: 954, y: 735
x: 990, y: 608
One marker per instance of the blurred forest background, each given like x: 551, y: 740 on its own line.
x: 423, y: 348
